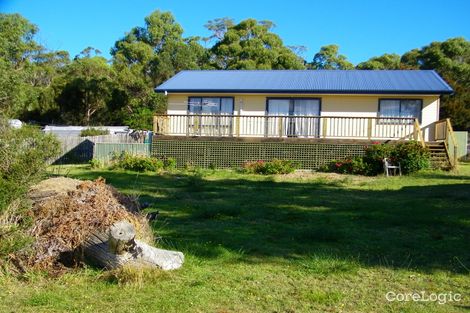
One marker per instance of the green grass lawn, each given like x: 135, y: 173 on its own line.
x: 295, y: 243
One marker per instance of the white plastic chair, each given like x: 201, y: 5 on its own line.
x: 389, y: 168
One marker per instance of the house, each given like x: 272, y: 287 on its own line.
x: 327, y: 110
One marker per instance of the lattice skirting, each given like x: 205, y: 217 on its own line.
x: 225, y: 154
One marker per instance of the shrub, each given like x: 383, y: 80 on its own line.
x: 140, y: 163
x: 93, y: 132
x: 95, y: 164
x: 137, y: 163
x: 374, y: 155
x: 275, y: 166
x: 24, y: 153
x: 354, y: 165
x: 169, y: 163
x: 411, y: 156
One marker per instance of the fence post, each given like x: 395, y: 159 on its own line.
x: 369, y: 128
x: 280, y: 126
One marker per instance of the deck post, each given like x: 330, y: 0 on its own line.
x: 369, y: 128
x: 187, y: 125
x: 324, y: 127
x: 237, y: 129
x: 280, y: 126
x: 415, y: 131
x: 155, y: 121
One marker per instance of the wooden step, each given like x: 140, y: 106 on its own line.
x: 438, y: 153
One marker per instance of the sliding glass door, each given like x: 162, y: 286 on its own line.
x: 293, y: 117
x: 212, y: 116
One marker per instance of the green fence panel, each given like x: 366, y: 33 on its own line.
x: 462, y: 142
x: 105, y: 151
x: 226, y: 154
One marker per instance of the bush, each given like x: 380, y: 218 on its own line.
x: 354, y: 165
x: 24, y: 153
x: 411, y: 156
x: 140, y: 163
x: 270, y: 167
x: 95, y: 164
x: 374, y: 155
x: 169, y: 163
x: 93, y: 132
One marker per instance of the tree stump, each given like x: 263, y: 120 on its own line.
x: 121, y: 237
x: 118, y: 247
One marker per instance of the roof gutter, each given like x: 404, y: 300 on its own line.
x: 339, y: 92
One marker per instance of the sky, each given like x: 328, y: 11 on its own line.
x: 362, y: 29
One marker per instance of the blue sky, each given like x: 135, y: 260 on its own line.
x: 362, y: 29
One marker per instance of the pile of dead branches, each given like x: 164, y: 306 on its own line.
x: 66, y: 211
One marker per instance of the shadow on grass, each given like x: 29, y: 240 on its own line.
x: 420, y: 227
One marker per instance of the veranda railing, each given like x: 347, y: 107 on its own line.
x: 288, y: 126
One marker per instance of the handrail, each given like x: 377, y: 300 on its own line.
x: 301, y: 126
x: 444, y: 132
x: 450, y: 130
x: 451, y: 136
x: 418, y: 135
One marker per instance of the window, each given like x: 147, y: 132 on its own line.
x: 410, y: 108
x: 294, y: 106
x: 210, y: 105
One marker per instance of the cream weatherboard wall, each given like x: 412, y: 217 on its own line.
x: 331, y: 105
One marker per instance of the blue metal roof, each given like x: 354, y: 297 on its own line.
x: 308, y: 81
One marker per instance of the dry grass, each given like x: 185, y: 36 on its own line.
x: 134, y: 276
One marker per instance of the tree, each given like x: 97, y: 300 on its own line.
x: 16, y: 50
x: 158, y: 50
x: 218, y: 27
x: 451, y: 59
x: 328, y: 58
x: 46, y: 67
x: 251, y: 45
x: 27, y: 69
x: 410, y: 60
x: 299, y: 50
x: 384, y: 62
x: 144, y: 58
x: 85, y: 89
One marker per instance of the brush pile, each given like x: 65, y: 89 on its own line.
x: 67, y: 213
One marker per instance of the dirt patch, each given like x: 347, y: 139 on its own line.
x: 66, y: 211
x: 309, y: 175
